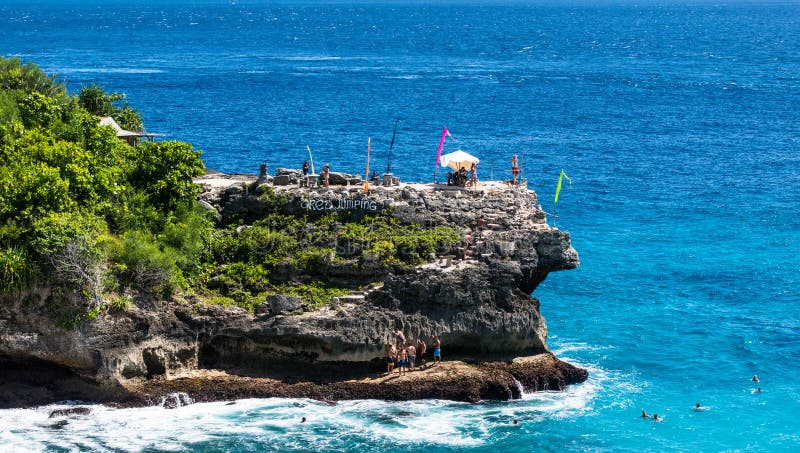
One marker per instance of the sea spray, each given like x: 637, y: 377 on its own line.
x: 175, y: 400
x: 519, y: 386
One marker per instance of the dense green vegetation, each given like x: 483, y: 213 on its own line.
x: 312, y: 250
x: 89, y: 215
x: 83, y: 210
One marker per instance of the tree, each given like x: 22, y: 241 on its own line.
x: 28, y: 78
x: 128, y: 118
x: 78, y: 264
x: 37, y: 109
x: 164, y: 171
x: 95, y: 100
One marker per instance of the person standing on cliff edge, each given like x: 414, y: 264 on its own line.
x: 400, y: 338
x: 422, y: 348
x: 402, y: 361
x: 515, y: 169
x: 391, y: 356
x: 325, y: 177
x: 437, y: 350
x: 411, y: 351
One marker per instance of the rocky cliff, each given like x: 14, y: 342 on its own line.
x: 475, y: 296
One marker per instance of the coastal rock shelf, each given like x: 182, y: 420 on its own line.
x: 475, y: 296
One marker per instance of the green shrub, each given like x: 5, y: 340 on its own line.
x: 188, y: 232
x: 120, y: 303
x: 143, y: 265
x: 56, y: 229
x: 314, y: 295
x: 256, y: 245
x: 385, y: 251
x: 222, y: 301
x: 16, y: 270
x: 233, y: 277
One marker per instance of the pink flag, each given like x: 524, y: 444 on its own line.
x: 441, y: 144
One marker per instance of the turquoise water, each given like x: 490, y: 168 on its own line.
x: 678, y: 124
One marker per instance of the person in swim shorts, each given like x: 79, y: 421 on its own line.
x: 437, y: 350
x: 422, y: 348
x: 412, y: 355
x: 402, y: 361
x: 515, y: 168
x: 391, y: 354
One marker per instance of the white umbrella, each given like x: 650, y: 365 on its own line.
x: 458, y: 159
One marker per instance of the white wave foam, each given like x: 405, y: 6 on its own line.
x: 562, y: 349
x: 277, y: 421
x: 404, y: 77
x: 311, y: 58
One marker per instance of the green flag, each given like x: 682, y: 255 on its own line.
x: 558, y: 186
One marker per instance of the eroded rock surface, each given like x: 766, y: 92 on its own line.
x: 476, y: 299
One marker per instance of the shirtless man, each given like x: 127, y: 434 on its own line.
x: 412, y: 356
x: 400, y: 338
x: 326, y: 175
x: 515, y: 168
x: 391, y: 354
x: 422, y: 348
x: 437, y: 350
x: 402, y: 361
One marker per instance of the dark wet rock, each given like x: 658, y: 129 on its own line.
x: 280, y: 304
x: 71, y: 411
x: 285, y: 180
x: 455, y: 381
x: 343, y: 179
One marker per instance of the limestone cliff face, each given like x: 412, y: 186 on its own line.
x: 478, y: 304
x: 477, y: 301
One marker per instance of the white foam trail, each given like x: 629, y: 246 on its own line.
x: 312, y: 58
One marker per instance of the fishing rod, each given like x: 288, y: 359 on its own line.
x: 389, y: 155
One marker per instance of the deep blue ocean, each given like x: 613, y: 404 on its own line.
x: 679, y: 124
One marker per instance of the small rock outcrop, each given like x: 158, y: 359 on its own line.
x: 71, y: 411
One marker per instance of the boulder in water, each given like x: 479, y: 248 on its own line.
x: 70, y: 411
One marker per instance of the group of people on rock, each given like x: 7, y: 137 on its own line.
x: 463, y: 177
x: 469, y: 178
x: 404, y: 355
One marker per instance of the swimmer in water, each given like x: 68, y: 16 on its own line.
x: 755, y: 378
x: 303, y: 420
x: 758, y: 390
x: 699, y: 408
x: 656, y: 418
x: 645, y: 414
x: 515, y: 422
